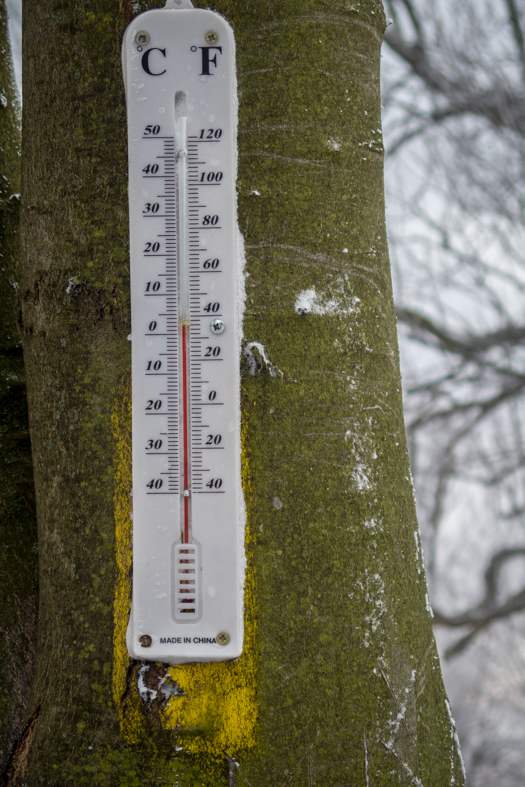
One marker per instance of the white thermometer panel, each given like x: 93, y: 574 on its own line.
x: 179, y: 72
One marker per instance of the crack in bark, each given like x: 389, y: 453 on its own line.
x: 414, y: 779
x: 292, y: 774
x: 156, y: 686
x: 401, y: 710
x: 14, y: 774
x: 231, y: 769
x: 129, y: 676
x: 367, y: 768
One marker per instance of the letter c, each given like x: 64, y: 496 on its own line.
x: 145, y: 61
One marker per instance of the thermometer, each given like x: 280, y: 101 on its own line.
x: 188, y: 530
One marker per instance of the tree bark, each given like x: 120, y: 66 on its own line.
x: 339, y: 681
x: 18, y: 553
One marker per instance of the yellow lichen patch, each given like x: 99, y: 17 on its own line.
x: 219, y: 709
x: 130, y: 723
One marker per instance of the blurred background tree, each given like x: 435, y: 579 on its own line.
x: 454, y: 99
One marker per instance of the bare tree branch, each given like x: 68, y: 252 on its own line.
x: 497, y: 104
x: 414, y: 18
x: 467, y: 346
x: 454, y: 90
x: 518, y: 32
x: 489, y: 609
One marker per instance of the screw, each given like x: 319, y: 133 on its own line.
x: 146, y: 640
x: 217, y: 326
x: 211, y: 37
x: 223, y: 638
x: 142, y: 38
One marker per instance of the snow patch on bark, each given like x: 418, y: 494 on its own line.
x: 360, y: 477
x: 363, y: 451
x: 420, y: 555
x: 455, y: 738
x: 254, y: 363
x: 374, y: 596
x: 241, y: 284
x: 146, y: 695
x: 311, y: 302
x: 166, y: 687
x: 372, y: 524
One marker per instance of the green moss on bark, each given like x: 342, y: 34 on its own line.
x: 349, y: 687
x: 75, y: 319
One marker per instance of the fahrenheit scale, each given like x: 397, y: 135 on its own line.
x: 179, y: 72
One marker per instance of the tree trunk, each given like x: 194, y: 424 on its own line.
x: 18, y: 554
x: 339, y: 681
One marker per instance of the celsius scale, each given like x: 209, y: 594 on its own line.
x: 188, y: 514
